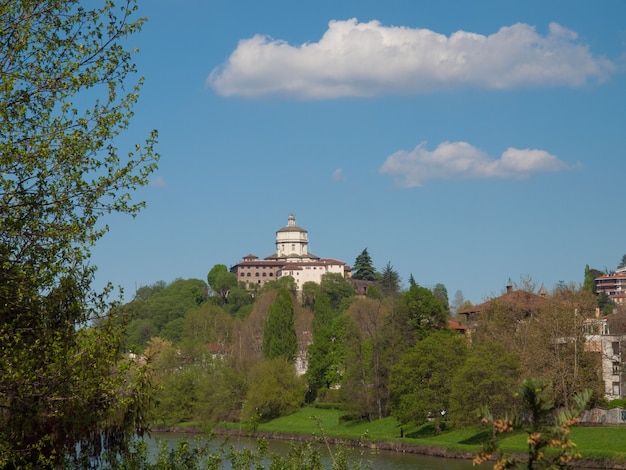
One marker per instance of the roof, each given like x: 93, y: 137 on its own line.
x: 456, y: 325
x: 512, y: 298
x: 291, y: 226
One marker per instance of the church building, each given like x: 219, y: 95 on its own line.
x: 291, y: 258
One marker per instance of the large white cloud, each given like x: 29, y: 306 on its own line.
x: 460, y: 160
x: 368, y: 59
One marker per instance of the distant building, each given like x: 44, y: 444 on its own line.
x: 291, y: 258
x: 613, y: 285
x: 520, y: 303
x: 606, y: 336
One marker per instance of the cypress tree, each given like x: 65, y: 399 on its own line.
x: 279, y: 333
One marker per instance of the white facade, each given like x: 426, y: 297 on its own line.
x: 598, y: 339
x: 311, y: 271
x: 292, y: 242
x: 292, y: 258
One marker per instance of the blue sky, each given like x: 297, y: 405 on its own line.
x: 467, y: 143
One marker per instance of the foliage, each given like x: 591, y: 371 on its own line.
x: 279, y: 332
x: 221, y: 281
x: 274, y: 390
x: 389, y: 281
x: 589, y: 284
x: 547, y: 429
x: 151, y: 312
x: 424, y: 311
x: 310, y: 290
x: 365, y: 386
x: 420, y: 384
x: 441, y: 294
x: 363, y: 269
x: 338, y: 289
x: 458, y: 301
x: 488, y: 377
x: 546, y: 335
x: 284, y: 282
x: 207, y: 329
x: 66, y: 94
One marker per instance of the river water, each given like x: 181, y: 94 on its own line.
x: 384, y: 460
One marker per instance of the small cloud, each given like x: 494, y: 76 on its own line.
x: 338, y: 175
x: 158, y: 182
x: 368, y: 59
x: 460, y: 160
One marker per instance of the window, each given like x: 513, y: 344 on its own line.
x: 256, y: 274
x: 271, y: 274
x: 615, y: 345
x: 264, y: 274
x: 616, y: 389
x: 616, y: 368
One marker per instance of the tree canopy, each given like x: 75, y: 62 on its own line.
x: 66, y: 92
x: 363, y: 268
x: 279, y: 333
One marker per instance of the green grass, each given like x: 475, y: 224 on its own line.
x: 592, y: 442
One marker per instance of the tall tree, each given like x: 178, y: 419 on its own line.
x: 363, y: 268
x: 457, y: 301
x: 389, y: 281
x: 279, y: 333
x: 441, y: 293
x: 421, y: 382
x: 66, y: 93
x: 221, y: 281
x: 489, y: 377
x: 590, y: 275
x: 424, y: 311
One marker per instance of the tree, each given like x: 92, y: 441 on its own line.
x: 590, y: 275
x: 279, y: 332
x: 338, y: 289
x: 622, y: 263
x: 441, y: 294
x: 221, y: 281
x: 488, y: 377
x: 365, y: 388
x: 274, y: 391
x: 423, y: 310
x: 389, y: 281
x: 420, y: 384
x: 325, y: 354
x: 363, y: 269
x: 459, y: 299
x: 66, y: 93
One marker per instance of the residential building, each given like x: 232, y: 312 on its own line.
x: 291, y: 258
x: 613, y: 285
x: 606, y: 336
x: 519, y: 303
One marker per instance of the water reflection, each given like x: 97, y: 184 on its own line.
x: 387, y: 460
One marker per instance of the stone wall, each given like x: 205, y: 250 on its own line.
x: 602, y: 416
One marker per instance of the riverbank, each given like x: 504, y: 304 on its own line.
x: 601, y: 447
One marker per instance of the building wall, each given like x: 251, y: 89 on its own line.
x: 613, y: 372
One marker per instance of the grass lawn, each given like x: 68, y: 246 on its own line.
x: 592, y: 442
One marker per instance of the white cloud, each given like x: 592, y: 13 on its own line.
x: 338, y: 175
x: 368, y: 59
x: 460, y: 160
